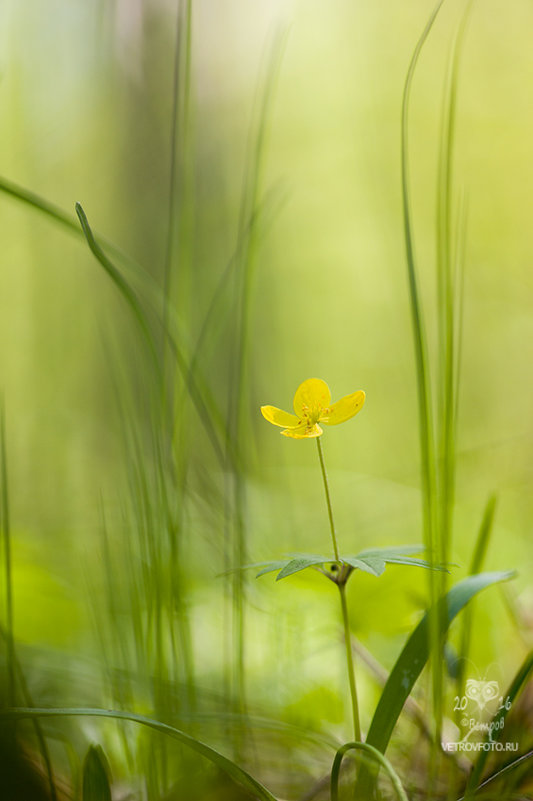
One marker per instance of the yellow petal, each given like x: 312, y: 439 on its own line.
x: 303, y: 431
x: 278, y: 417
x: 313, y: 394
x: 344, y: 409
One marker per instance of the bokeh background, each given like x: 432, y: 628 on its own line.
x: 88, y: 113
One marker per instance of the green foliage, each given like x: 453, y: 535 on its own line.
x: 413, y: 658
x: 371, y: 560
x: 94, y: 756
x: 96, y: 776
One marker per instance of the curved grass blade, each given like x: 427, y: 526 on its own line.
x: 412, y: 659
x: 375, y: 754
x: 206, y: 413
x: 233, y: 770
x: 96, y: 776
x: 58, y: 215
x: 118, y: 279
x: 513, y: 692
x: 416, y: 652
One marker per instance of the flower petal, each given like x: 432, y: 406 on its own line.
x: 278, y: 417
x: 343, y: 409
x: 313, y: 394
x: 303, y: 431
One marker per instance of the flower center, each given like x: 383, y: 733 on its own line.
x: 311, y: 415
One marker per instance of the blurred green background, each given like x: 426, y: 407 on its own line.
x: 86, y: 110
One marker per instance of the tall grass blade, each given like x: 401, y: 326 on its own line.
x: 232, y: 769
x: 6, y: 553
x: 448, y: 299
x: 246, y: 250
x: 476, y: 564
x: 426, y: 430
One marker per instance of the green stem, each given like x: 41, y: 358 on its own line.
x: 328, y: 499
x: 342, y: 589
x: 349, y: 663
x: 377, y: 755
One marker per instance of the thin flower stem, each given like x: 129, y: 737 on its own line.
x: 328, y: 499
x: 342, y: 589
x: 349, y: 663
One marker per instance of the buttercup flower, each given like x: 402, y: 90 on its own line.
x: 312, y: 405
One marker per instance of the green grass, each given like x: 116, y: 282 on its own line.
x: 193, y: 679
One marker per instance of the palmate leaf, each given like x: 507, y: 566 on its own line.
x: 371, y: 560
x: 373, y: 565
x: 292, y: 564
x: 377, y: 558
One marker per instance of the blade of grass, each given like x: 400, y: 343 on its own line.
x: 8, y: 578
x: 413, y: 658
x: 247, y: 257
x: 447, y: 298
x: 120, y: 282
x: 377, y: 756
x: 476, y: 564
x: 206, y: 409
x: 516, y: 763
x: 179, y: 146
x: 95, y: 779
x: 426, y: 431
x: 233, y: 770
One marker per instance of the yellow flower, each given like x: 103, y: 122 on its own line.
x: 312, y: 406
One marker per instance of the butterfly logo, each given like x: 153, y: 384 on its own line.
x: 482, y: 692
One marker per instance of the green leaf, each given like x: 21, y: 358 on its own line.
x: 397, y: 550
x: 408, y: 560
x: 375, y: 559
x: 270, y: 567
x: 369, y: 564
x: 96, y: 774
x: 415, y: 654
x: 300, y: 563
x: 233, y: 770
x: 412, y: 659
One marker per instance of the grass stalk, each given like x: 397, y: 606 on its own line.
x: 449, y: 302
x: 247, y: 251
x: 426, y: 426
x: 8, y: 577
